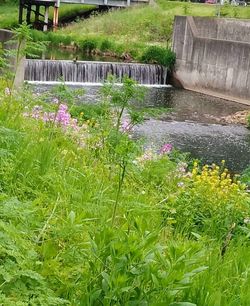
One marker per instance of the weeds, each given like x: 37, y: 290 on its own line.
x: 158, y: 55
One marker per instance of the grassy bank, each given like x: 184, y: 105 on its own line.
x: 130, y: 32
x: 126, y: 33
x: 88, y: 217
x: 9, y: 13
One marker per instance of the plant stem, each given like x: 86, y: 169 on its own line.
x: 121, y: 180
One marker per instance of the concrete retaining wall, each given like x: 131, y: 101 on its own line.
x: 213, y: 56
x: 18, y: 68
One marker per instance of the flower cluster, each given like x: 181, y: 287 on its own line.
x: 216, y: 177
x: 7, y: 91
x: 166, y: 148
x: 148, y: 155
x: 61, y: 118
x: 126, y: 126
x: 151, y: 154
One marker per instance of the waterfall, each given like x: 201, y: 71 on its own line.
x: 93, y: 72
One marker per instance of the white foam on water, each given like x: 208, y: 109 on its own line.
x: 86, y: 84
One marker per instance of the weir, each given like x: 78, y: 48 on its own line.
x: 93, y: 72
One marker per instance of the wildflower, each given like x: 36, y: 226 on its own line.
x: 166, y: 148
x: 62, y: 116
x: 180, y: 184
x: 148, y: 155
x: 7, y: 91
x: 182, y: 167
x: 126, y: 126
x: 55, y: 101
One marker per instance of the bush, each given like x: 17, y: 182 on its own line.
x: 106, y: 45
x: 159, y: 55
x: 210, y: 202
x: 88, y: 45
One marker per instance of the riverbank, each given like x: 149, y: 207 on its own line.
x: 128, y: 33
x: 9, y: 13
x: 89, y: 215
x: 125, y: 33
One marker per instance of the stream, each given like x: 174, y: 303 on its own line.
x: 192, y: 125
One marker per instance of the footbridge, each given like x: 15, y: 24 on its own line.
x: 40, y: 8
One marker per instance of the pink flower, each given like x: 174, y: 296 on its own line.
x: 166, y: 148
x: 126, y: 126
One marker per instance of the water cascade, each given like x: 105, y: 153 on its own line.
x: 93, y: 72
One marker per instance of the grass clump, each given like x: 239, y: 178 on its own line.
x: 158, y: 55
x: 88, y: 45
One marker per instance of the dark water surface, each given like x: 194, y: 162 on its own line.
x: 71, y: 54
x: 192, y: 126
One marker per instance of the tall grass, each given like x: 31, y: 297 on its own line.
x: 9, y: 13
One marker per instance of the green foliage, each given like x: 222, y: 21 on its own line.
x: 245, y: 176
x: 58, y: 39
x: 158, y: 55
x: 88, y: 45
x: 106, y: 45
x: 88, y: 218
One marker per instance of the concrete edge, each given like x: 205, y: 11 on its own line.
x: 219, y: 95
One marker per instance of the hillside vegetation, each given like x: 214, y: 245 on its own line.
x: 125, y: 33
x: 132, y: 30
x: 9, y: 12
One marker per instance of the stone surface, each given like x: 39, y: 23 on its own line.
x: 18, y: 68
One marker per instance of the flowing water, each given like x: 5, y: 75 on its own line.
x: 93, y: 72
x: 192, y: 126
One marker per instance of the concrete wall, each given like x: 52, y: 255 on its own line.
x: 18, y: 68
x: 213, y: 56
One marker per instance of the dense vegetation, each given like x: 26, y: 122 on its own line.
x: 9, y: 12
x: 88, y: 216
x: 91, y: 217
x: 131, y: 31
x: 126, y: 33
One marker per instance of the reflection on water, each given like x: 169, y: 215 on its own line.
x: 192, y: 126
x: 71, y: 54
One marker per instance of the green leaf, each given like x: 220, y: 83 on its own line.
x: 72, y: 216
x: 182, y: 304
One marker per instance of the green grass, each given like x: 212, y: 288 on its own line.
x: 135, y: 29
x: 144, y: 25
x: 8, y: 16
x: 177, y: 234
x: 9, y: 13
x: 127, y: 31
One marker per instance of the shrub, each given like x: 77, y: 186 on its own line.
x: 159, y: 55
x: 106, y: 45
x: 210, y: 201
x: 88, y: 45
